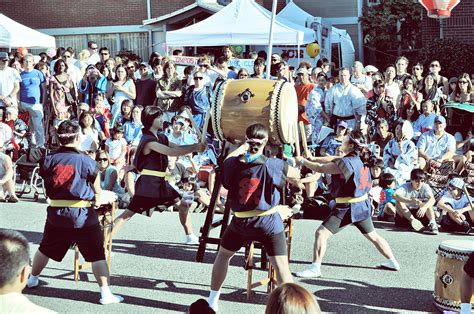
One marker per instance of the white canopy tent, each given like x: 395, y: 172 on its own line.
x: 297, y: 15
x: 240, y: 22
x: 15, y: 35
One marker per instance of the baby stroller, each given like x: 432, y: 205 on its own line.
x: 26, y: 170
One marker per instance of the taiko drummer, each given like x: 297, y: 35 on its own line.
x: 73, y: 186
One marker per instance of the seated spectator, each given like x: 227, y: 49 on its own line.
x: 401, y: 154
x: 224, y: 67
x: 290, y: 298
x: 459, y: 215
x: 15, y: 266
x: 108, y: 174
x: 414, y: 205
x: 7, y: 185
x: 410, y: 96
x: 126, y: 111
x: 409, y: 113
x: 5, y: 132
x: 19, y: 128
x: 383, y: 136
x: 116, y: 147
x: 387, y: 209
x: 242, y: 74
x: 331, y: 144
x: 463, y: 92
x: 391, y: 86
x: 436, y: 146
x: 102, y: 116
x: 179, y: 132
x: 133, y: 129
x: 425, y: 121
x: 89, y: 135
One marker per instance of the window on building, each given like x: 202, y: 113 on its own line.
x: 136, y: 43
x: 105, y: 40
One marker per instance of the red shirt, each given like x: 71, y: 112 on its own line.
x: 302, y: 92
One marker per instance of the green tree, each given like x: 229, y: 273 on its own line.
x: 379, y: 24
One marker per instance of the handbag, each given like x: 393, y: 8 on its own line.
x: 70, y: 100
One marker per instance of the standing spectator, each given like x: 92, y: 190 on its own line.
x: 359, y: 79
x: 374, y: 107
x: 440, y: 81
x: 104, y: 54
x: 133, y: 73
x: 92, y: 84
x: 110, y: 66
x: 122, y: 88
x: 94, y: 56
x: 303, y: 91
x: 258, y: 68
x: 60, y: 85
x: 15, y: 64
x: 436, y: 146
x: 410, y: 96
x: 228, y: 53
x: 463, y: 93
x: 391, y: 87
x: 145, y: 87
x: 133, y: 129
x: 417, y: 73
x: 83, y: 57
x: 15, y: 266
x: 9, y: 83
x: 402, y: 65
x: 32, y: 99
x: 431, y: 92
x: 415, y: 198
x: 210, y: 73
x: 168, y: 91
x: 198, y: 98
x: 346, y: 102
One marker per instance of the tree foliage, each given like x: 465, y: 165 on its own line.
x: 379, y: 23
x: 454, y: 56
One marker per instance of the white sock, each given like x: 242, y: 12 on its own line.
x: 466, y: 308
x: 433, y: 221
x: 33, y: 281
x: 214, y: 299
x: 316, y: 266
x: 105, y: 292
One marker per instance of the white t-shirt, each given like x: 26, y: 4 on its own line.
x: 462, y: 202
x: 87, y: 139
x: 423, y: 194
x: 8, y: 78
x: 115, y: 147
x: 15, y: 302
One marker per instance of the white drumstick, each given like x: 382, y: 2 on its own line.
x: 297, y: 140
x: 193, y: 123
x: 303, y: 138
x: 206, y: 124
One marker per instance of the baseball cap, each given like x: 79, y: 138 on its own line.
x: 276, y: 56
x: 440, y: 119
x: 457, y: 183
x: 143, y: 64
x: 3, y: 55
x: 302, y: 71
x: 343, y: 124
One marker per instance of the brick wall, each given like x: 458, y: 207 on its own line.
x: 459, y: 26
x: 85, y: 13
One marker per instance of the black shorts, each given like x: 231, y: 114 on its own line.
x: 274, y: 244
x: 402, y: 222
x: 336, y: 224
x: 469, y: 266
x: 142, y: 204
x: 450, y: 225
x: 57, y: 241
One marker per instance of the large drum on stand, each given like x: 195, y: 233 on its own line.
x: 452, y: 255
x: 236, y: 104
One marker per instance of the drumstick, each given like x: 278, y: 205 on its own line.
x: 204, y: 128
x: 303, y: 138
x: 468, y: 197
x: 297, y: 141
x: 193, y: 123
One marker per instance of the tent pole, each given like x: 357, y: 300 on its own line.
x: 298, y: 52
x: 270, y: 39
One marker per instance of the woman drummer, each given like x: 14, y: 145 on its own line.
x: 351, y: 182
x: 151, y: 160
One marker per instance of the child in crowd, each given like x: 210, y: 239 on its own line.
x: 376, y: 169
x: 387, y: 207
x: 102, y: 115
x: 459, y: 214
x: 116, y: 147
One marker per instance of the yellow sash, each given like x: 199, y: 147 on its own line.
x: 70, y: 203
x: 350, y: 199
x: 255, y: 213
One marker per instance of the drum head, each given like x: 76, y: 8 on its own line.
x: 464, y: 246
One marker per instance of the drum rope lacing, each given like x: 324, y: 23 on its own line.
x: 461, y: 256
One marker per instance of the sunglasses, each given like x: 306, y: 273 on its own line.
x: 102, y: 159
x: 94, y: 48
x: 417, y: 69
x: 198, y: 78
x: 104, y: 54
x: 130, y: 68
x: 434, y: 65
x: 255, y: 141
x: 462, y: 82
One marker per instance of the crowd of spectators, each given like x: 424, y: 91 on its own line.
x: 403, y: 114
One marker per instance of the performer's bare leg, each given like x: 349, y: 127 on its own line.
x: 39, y: 263
x: 219, y: 272
x: 120, y: 221
x: 185, y: 218
x: 321, y: 237
x: 282, y: 268
x: 101, y: 272
x: 380, y: 243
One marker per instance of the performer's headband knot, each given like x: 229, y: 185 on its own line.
x: 67, y: 135
x: 254, y: 140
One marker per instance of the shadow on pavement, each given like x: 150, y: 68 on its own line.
x: 357, y: 296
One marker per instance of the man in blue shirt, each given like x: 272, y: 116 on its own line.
x: 33, y: 97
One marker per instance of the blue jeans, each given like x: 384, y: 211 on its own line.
x: 36, y: 123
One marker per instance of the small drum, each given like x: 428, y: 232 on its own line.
x: 236, y: 104
x: 452, y: 255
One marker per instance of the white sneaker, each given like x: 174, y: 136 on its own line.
x: 111, y: 299
x: 32, y: 282
x: 192, y: 239
x: 390, y: 265
x: 309, y: 273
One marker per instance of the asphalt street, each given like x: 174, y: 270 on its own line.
x: 156, y: 273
